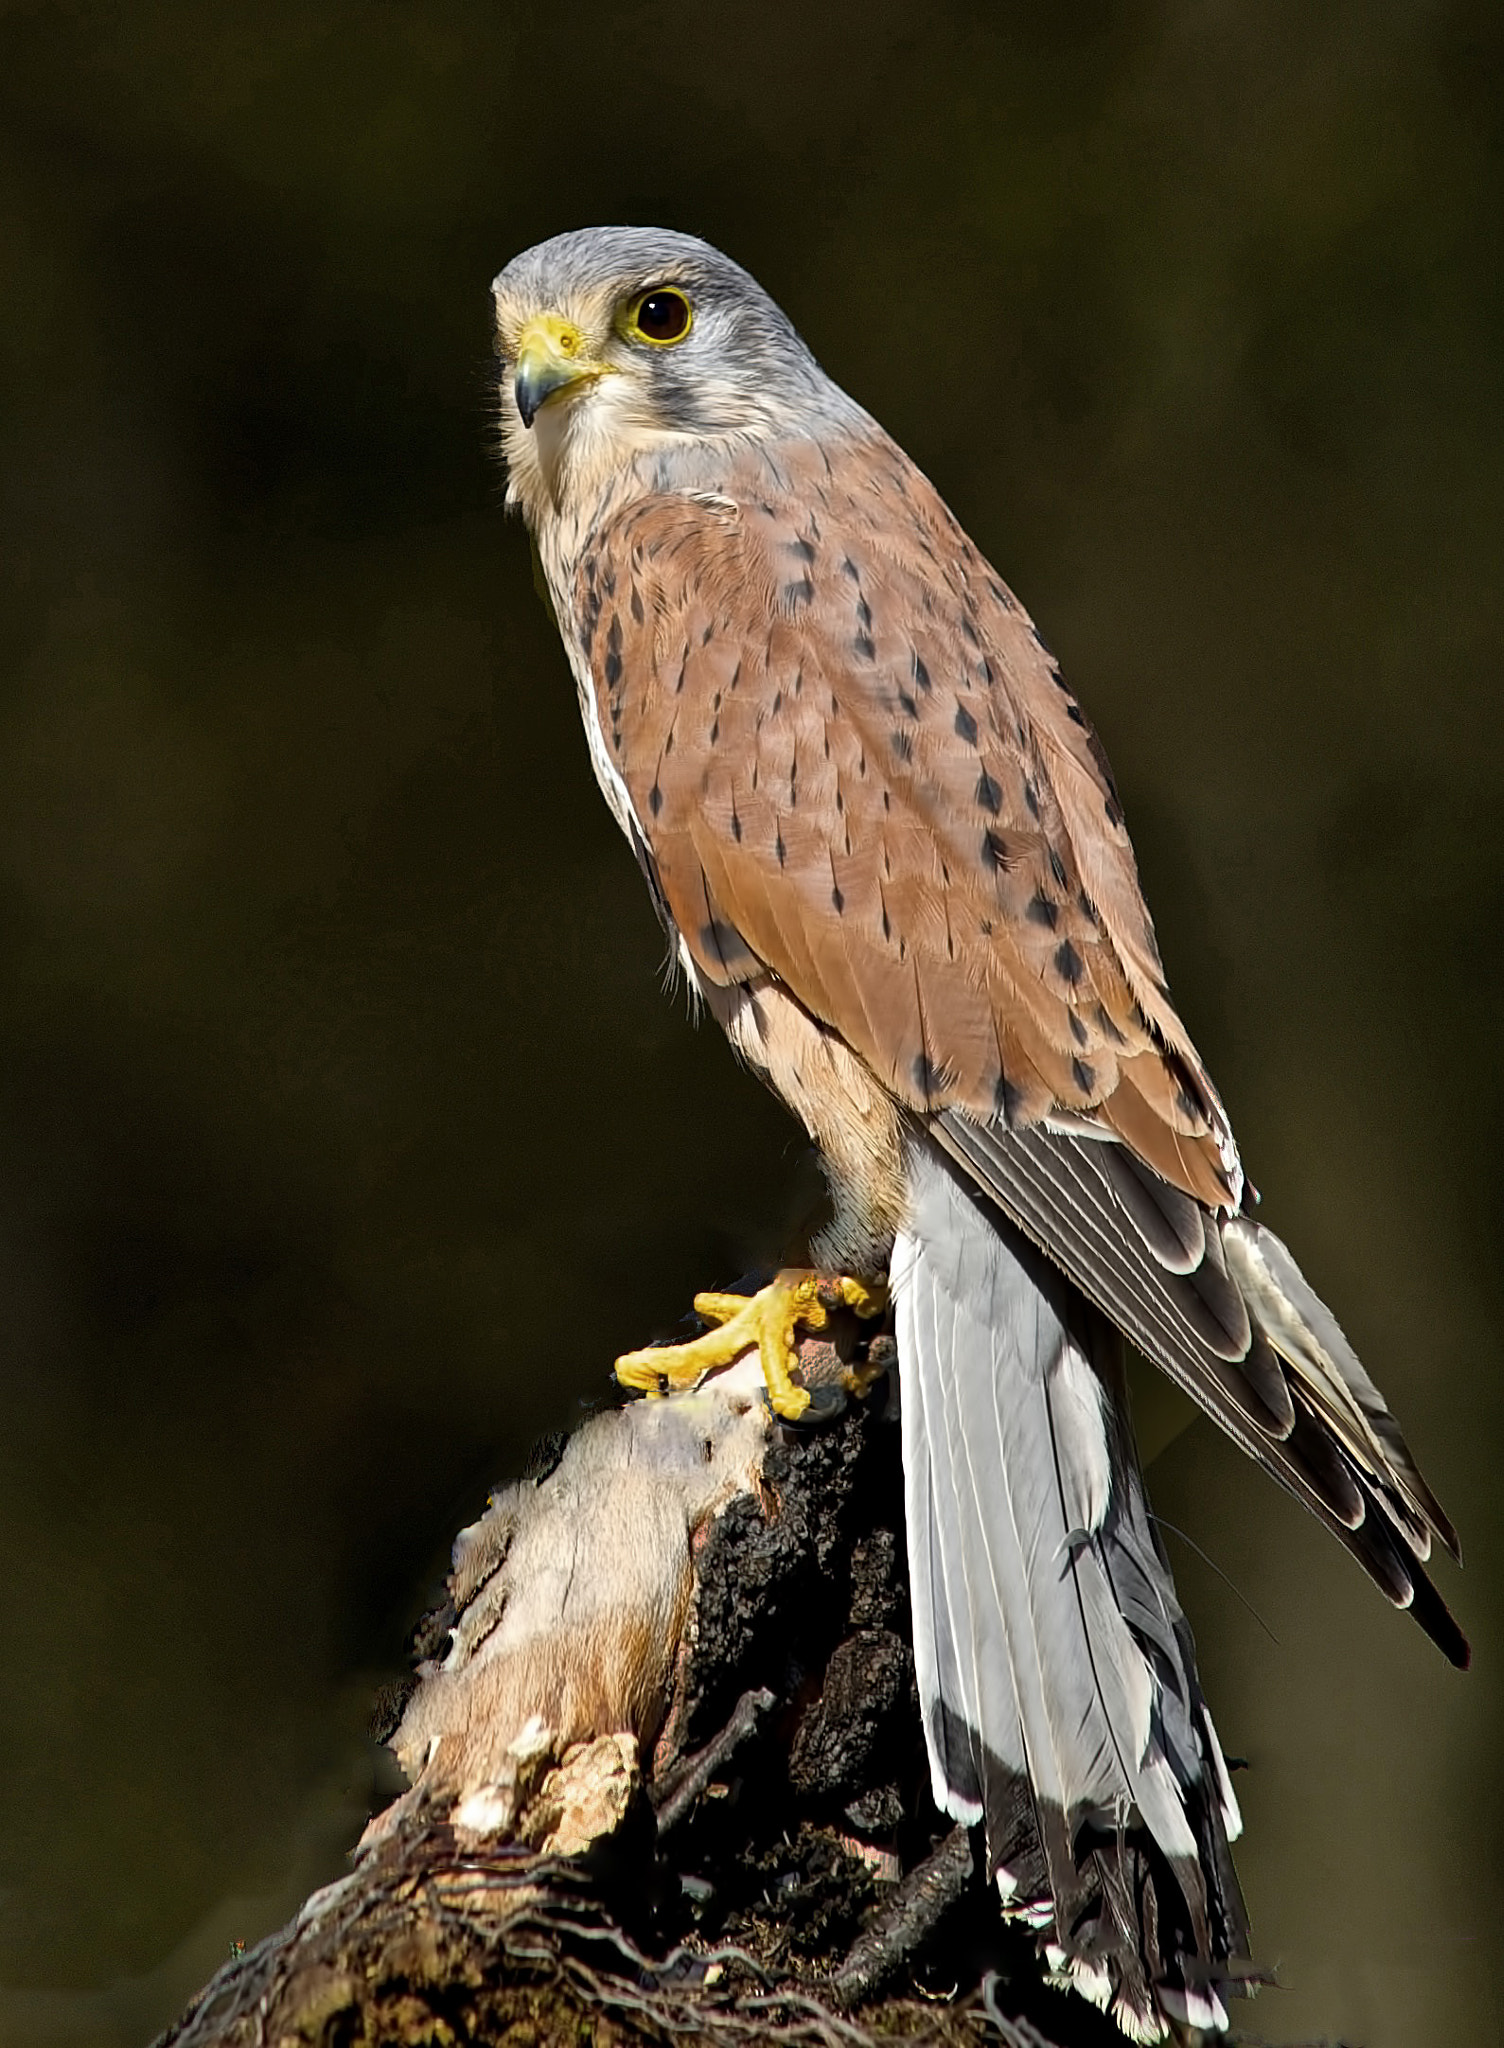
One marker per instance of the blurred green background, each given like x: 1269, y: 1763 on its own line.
x: 345, y: 1132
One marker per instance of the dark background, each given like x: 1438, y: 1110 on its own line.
x: 345, y: 1132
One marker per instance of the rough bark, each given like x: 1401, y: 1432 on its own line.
x: 667, y: 1775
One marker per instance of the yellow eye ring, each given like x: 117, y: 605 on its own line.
x: 661, y: 316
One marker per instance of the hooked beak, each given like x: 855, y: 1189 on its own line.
x: 550, y: 357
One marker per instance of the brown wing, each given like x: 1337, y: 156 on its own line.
x: 858, y: 766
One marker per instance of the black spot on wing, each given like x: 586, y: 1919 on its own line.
x: 1008, y: 1101
x: 613, y: 652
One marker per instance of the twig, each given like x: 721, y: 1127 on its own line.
x: 690, y: 1778
x: 921, y: 1902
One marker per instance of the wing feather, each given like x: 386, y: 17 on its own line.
x: 834, y: 722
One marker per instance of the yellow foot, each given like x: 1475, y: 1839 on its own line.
x: 768, y: 1321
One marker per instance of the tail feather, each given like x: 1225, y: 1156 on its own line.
x: 1055, y: 1668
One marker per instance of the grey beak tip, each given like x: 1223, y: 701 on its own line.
x: 535, y: 383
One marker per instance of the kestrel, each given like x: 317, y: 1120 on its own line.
x: 887, y: 846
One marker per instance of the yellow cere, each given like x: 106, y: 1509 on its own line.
x: 551, y: 334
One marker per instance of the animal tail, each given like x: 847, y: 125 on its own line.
x: 1056, y: 1672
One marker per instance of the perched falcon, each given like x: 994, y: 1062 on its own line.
x: 887, y: 846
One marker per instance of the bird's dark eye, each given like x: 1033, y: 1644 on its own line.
x: 662, y: 316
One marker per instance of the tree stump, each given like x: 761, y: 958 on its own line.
x: 667, y: 1776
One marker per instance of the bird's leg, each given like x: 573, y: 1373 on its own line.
x: 769, y: 1321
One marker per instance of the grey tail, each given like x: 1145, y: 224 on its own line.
x: 1057, y: 1674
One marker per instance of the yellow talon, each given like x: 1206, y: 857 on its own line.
x: 768, y: 1321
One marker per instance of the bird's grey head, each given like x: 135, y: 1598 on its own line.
x: 620, y: 342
